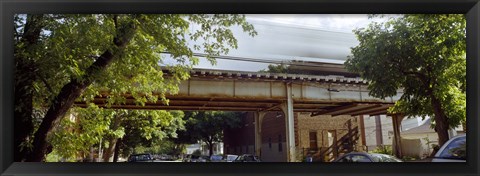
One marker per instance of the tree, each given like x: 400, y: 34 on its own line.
x: 278, y: 68
x: 425, y: 56
x: 75, y: 136
x: 27, y: 40
x: 100, y: 128
x: 146, y: 129
x: 95, y: 54
x: 208, y: 126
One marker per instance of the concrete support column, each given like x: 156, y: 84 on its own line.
x: 258, y: 133
x: 287, y: 109
x: 397, y: 121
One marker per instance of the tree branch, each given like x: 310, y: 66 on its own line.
x: 46, y: 84
x: 417, y: 74
x: 72, y: 90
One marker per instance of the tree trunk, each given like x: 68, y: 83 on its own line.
x: 117, y: 150
x: 24, y: 67
x: 210, y: 148
x: 441, y: 123
x: 91, y: 155
x: 112, y: 140
x: 71, y: 91
x: 23, y: 123
x: 107, y: 154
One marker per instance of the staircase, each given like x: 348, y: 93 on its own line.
x: 344, y: 144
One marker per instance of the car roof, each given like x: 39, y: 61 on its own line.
x: 379, y: 154
x: 140, y: 154
x: 356, y: 153
x: 448, y: 142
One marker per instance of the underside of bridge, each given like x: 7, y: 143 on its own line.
x: 255, y: 105
x: 217, y: 90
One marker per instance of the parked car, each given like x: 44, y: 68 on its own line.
x: 145, y: 157
x: 230, y: 158
x: 247, y: 158
x: 216, y: 158
x: 196, y: 158
x: 187, y: 158
x: 203, y: 158
x: 165, y: 157
x: 454, y: 150
x: 356, y: 157
x: 191, y: 158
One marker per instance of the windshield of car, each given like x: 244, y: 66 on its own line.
x: 239, y: 158
x: 231, y: 157
x: 456, y: 149
x: 140, y: 157
x: 216, y: 157
x: 384, y: 158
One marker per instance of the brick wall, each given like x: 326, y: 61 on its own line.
x: 237, y: 140
x: 274, y: 133
x: 274, y: 138
x: 323, y: 125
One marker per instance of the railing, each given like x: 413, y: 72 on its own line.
x: 346, y: 144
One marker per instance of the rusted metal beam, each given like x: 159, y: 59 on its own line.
x: 374, y: 111
x: 236, y: 99
x: 356, y: 110
x: 384, y: 112
x: 176, y: 108
x: 327, y: 112
x: 273, y: 107
x: 259, y: 91
x: 185, y: 101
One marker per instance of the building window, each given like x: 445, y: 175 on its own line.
x: 270, y: 143
x: 279, y: 143
x: 313, y: 139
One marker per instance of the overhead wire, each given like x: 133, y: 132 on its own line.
x: 270, y: 61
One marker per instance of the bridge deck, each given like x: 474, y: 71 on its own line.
x: 250, y: 91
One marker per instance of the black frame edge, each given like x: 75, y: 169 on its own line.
x: 473, y: 81
x: 6, y: 90
x: 6, y: 72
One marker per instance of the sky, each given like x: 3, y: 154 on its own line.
x: 283, y: 37
x: 332, y: 22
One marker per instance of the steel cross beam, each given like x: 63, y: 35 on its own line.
x: 249, y: 91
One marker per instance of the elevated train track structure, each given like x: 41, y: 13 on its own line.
x: 221, y: 90
x: 210, y: 90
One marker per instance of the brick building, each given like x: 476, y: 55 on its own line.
x: 323, y: 137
